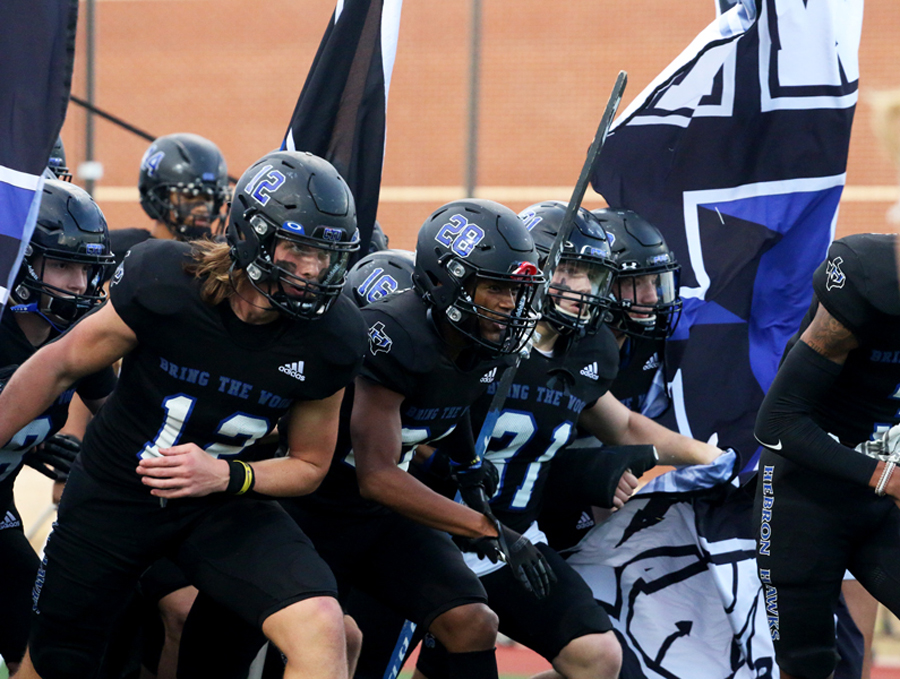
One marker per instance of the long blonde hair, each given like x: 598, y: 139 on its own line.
x: 213, y: 264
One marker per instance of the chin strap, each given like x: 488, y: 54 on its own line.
x: 33, y: 309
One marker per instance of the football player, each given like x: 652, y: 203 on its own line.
x: 829, y: 427
x: 564, y: 382
x: 219, y: 340
x: 58, y: 281
x: 183, y: 185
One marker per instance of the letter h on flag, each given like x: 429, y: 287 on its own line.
x: 37, y: 44
x: 340, y: 114
x: 737, y: 152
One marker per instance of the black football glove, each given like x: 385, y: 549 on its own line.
x: 591, y: 475
x: 477, y: 485
x: 54, y: 457
x: 527, y: 563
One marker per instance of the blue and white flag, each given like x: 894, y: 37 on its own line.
x: 341, y: 112
x: 737, y: 152
x: 37, y: 44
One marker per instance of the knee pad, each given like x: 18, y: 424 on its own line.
x: 64, y: 663
x: 58, y: 653
x: 818, y: 664
x: 432, y: 660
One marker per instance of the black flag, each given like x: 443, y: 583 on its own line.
x: 37, y: 41
x: 340, y: 114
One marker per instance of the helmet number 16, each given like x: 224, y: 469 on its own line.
x: 460, y: 235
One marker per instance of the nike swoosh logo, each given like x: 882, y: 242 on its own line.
x: 770, y: 446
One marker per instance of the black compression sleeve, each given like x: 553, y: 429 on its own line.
x: 785, y: 424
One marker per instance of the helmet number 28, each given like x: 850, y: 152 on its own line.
x: 460, y: 235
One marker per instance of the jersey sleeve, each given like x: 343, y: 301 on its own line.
x: 150, y: 283
x: 841, y: 284
x: 607, y: 352
x: 97, y: 385
x: 389, y: 359
x: 346, y: 347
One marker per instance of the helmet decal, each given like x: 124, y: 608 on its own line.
x: 293, y: 226
x: 261, y: 191
x: 460, y: 236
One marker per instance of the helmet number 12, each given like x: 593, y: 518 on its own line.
x: 261, y: 190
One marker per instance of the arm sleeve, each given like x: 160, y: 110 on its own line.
x: 97, y: 385
x: 785, y: 423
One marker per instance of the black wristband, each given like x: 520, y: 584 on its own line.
x: 241, y: 477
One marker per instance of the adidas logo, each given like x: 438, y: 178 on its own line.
x: 294, y: 369
x: 9, y: 521
x: 586, y: 521
x: 489, y: 377
x: 652, y: 362
x: 591, y: 371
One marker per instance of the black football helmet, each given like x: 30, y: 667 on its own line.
x: 585, y: 262
x: 57, y: 162
x: 70, y: 228
x: 644, y: 263
x: 472, y: 240
x: 187, y: 167
x: 299, y: 198
x: 379, y: 239
x: 380, y: 274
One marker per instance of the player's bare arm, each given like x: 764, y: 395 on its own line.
x: 614, y: 424
x: 98, y: 341
x: 376, y: 434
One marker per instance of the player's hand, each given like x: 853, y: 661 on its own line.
x: 884, y: 446
x: 526, y: 561
x: 54, y: 457
x: 185, y: 470
x: 473, y: 481
x: 528, y: 565
x: 628, y: 484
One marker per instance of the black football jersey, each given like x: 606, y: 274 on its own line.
x: 122, y: 240
x: 639, y: 362
x: 858, y: 285
x: 15, y: 349
x: 539, y: 418
x: 201, y: 375
x: 407, y: 355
